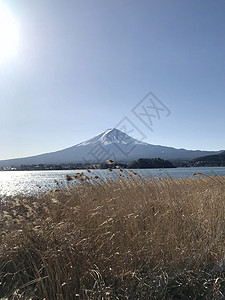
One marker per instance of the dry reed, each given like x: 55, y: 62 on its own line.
x: 123, y: 238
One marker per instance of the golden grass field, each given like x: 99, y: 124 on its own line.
x: 120, y: 238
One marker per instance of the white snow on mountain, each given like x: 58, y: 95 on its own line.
x: 112, y: 136
x: 110, y: 144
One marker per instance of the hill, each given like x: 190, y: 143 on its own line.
x: 150, y: 163
x: 216, y: 160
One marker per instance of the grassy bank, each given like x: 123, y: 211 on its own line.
x: 124, y: 238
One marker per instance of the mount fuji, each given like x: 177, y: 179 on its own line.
x: 110, y: 144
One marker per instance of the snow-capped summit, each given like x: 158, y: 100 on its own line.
x: 110, y: 144
x: 112, y: 136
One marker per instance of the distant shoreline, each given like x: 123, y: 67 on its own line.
x: 82, y: 169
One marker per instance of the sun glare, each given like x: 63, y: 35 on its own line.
x: 9, y: 34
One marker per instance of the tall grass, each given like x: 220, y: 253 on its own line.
x: 120, y: 238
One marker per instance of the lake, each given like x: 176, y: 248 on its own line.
x: 30, y: 182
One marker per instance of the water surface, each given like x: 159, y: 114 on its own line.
x: 30, y: 182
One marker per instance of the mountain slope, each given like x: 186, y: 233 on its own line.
x: 111, y: 144
x: 210, y: 160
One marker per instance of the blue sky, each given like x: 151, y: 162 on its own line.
x: 82, y: 66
